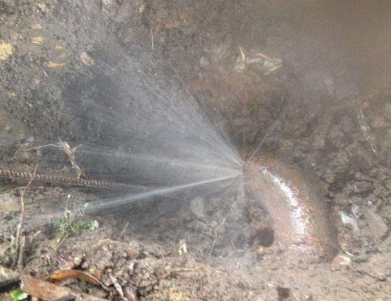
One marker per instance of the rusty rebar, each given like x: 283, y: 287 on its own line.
x: 26, y: 176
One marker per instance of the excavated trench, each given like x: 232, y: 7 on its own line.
x: 157, y: 95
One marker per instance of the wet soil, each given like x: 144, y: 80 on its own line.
x: 318, y: 113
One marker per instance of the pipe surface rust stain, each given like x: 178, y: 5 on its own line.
x: 299, y: 216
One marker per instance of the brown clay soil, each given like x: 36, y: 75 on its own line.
x: 326, y: 112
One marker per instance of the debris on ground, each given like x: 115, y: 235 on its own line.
x: 257, y: 62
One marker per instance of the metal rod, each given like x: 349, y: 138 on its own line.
x: 12, y: 174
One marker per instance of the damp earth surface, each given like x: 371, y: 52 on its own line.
x: 175, y: 96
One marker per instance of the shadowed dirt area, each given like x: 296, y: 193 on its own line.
x: 301, y: 85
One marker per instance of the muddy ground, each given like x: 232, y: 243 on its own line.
x: 323, y: 111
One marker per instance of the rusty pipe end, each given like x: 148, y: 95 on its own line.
x: 299, y: 215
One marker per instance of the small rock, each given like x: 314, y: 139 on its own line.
x: 347, y: 220
x: 131, y: 268
x: 387, y: 183
x: 197, y: 207
x: 85, y: 265
x: 329, y: 176
x: 376, y: 224
x: 30, y: 139
x: 8, y: 203
x: 219, y: 52
x: 22, y: 156
x: 362, y: 177
x: 341, y: 260
x: 356, y: 211
x: 204, y: 62
x: 129, y: 293
x: 307, y: 298
x: 106, y: 3
x: 86, y: 59
x: 99, y: 293
x: 357, y: 187
x: 106, y: 280
x: 132, y: 254
x: 43, y: 8
x: 361, y: 258
x: 381, y: 276
x: 77, y: 261
x: 298, y: 241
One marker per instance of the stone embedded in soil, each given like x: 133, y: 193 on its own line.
x: 22, y: 156
x: 218, y: 52
x: 357, y: 187
x: 342, y: 260
x: 363, y: 177
x: 387, y: 183
x: 204, y: 62
x: 329, y: 176
x: 361, y: 258
x: 197, y: 207
x: 348, y: 220
x: 8, y: 203
x: 377, y: 226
